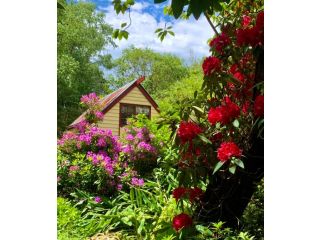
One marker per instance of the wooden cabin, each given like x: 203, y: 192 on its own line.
x: 129, y: 100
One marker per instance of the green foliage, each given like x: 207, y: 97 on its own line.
x: 171, y: 99
x: 144, y: 213
x: 82, y: 35
x: 161, y: 133
x: 253, y: 216
x: 160, y: 70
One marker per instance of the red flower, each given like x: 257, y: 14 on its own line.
x: 239, y: 76
x: 216, y: 115
x: 258, y: 108
x: 188, y: 130
x: 260, y: 20
x: 250, y: 36
x: 224, y: 113
x: 179, y: 192
x: 245, y: 107
x: 233, y: 109
x: 228, y: 150
x: 220, y: 42
x: 234, y: 68
x: 195, y: 194
x: 210, y: 65
x: 246, y: 20
x: 181, y: 221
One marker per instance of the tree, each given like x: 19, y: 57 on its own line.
x: 161, y: 70
x: 170, y: 99
x: 82, y: 37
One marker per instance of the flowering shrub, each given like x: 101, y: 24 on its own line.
x: 218, y: 125
x: 89, y: 157
x: 139, y: 149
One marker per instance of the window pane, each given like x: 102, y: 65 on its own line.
x: 143, y: 109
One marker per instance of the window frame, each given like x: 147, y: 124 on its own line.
x: 135, y: 111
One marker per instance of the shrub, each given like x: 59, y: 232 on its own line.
x: 88, y: 158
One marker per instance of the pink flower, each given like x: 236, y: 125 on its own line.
x: 98, y: 199
x: 73, y: 168
x: 137, y: 182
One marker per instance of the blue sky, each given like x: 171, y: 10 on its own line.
x: 189, y: 42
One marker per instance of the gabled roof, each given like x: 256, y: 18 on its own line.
x: 111, y: 99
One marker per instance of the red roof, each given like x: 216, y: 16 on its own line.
x: 111, y: 99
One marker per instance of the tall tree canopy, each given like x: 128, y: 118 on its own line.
x: 160, y: 69
x: 82, y: 38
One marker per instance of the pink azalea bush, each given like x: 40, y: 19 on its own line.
x: 89, y: 157
x: 139, y: 149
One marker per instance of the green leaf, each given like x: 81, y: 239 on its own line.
x: 238, y: 162
x: 198, y: 109
x: 123, y: 25
x: 177, y: 7
x: 125, y: 34
x: 216, y: 5
x: 170, y: 32
x: 218, y: 166
x: 158, y: 30
x: 196, y: 8
x: 232, y: 169
x: 204, y: 139
x: 236, y: 123
x: 115, y: 33
x: 159, y: 1
x: 141, y: 226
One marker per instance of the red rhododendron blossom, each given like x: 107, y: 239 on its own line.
x: 210, y: 65
x: 258, y: 107
x: 250, y: 36
x: 195, y: 194
x: 246, y: 20
x: 181, y: 221
x: 220, y: 42
x: 245, y: 107
x: 217, y: 115
x: 188, y: 131
x: 234, y: 68
x: 179, y: 192
x: 228, y: 150
x: 224, y: 113
x: 233, y: 109
x: 239, y: 76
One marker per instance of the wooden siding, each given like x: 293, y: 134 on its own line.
x: 111, y: 118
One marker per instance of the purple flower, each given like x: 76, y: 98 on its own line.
x: 137, y: 182
x: 130, y: 137
x: 119, y: 187
x: 127, y: 149
x: 98, y: 199
x: 98, y: 115
x: 139, y: 135
x: 101, y: 142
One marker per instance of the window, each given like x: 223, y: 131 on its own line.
x: 129, y: 110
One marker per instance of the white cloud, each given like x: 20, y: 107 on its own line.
x: 190, y: 36
x: 138, y: 6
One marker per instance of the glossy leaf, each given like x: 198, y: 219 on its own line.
x: 218, y: 166
x: 177, y: 7
x: 232, y: 169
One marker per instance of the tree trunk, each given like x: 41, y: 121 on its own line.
x: 226, y: 198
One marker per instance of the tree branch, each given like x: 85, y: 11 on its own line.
x: 211, y: 24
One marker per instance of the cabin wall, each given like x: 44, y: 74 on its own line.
x: 111, y: 118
